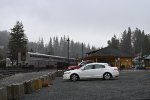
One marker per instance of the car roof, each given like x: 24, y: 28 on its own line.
x: 98, y: 63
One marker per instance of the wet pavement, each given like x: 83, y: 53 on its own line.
x: 131, y: 85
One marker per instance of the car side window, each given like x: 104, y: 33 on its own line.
x: 89, y: 67
x: 99, y: 66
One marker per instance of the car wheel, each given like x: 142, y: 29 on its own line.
x: 74, y: 77
x: 107, y: 76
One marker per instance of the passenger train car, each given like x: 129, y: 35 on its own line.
x: 34, y: 60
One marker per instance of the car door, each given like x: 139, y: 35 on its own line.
x: 87, y: 72
x: 99, y: 70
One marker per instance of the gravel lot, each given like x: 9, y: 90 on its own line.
x: 21, y: 77
x: 131, y: 85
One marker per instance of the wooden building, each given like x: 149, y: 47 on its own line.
x: 112, y: 56
x: 147, y: 61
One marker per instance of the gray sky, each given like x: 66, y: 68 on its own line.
x: 89, y: 21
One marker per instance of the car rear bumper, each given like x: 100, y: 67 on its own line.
x: 116, y: 74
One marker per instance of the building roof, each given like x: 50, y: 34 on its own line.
x: 108, y: 51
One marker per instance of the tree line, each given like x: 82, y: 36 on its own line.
x: 59, y: 47
x: 4, y: 38
x: 132, y: 42
x: 17, y: 41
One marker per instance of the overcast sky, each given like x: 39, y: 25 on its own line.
x: 89, y: 21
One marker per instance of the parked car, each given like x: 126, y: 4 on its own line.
x: 92, y: 70
x: 80, y: 65
x: 139, y: 67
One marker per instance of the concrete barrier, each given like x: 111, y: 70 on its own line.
x: 28, y: 87
x: 17, y: 91
x: 45, y: 81
x: 37, y: 84
x: 3, y: 93
x: 50, y: 79
x: 60, y: 73
x: 32, y: 85
x: 53, y: 74
x: 42, y: 80
x: 46, y: 77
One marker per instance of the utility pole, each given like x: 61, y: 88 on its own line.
x: 68, y: 51
x: 38, y: 66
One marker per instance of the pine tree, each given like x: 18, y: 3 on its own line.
x: 137, y: 41
x: 56, y: 46
x: 128, y: 42
x: 65, y: 47
x: 4, y: 37
x: 71, y: 48
x: 50, y: 47
x: 41, y: 46
x: 114, y: 42
x: 146, y: 45
x: 123, y: 41
x: 125, y: 44
x: 17, y: 41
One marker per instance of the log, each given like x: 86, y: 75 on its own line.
x: 17, y: 91
x: 3, y: 93
x: 37, y: 84
x: 28, y: 87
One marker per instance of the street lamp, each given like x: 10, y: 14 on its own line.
x: 68, y: 40
x: 82, y: 51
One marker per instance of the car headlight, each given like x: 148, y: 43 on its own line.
x: 67, y: 72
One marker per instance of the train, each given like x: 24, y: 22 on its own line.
x: 38, y: 60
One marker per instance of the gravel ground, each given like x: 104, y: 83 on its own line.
x: 21, y: 77
x: 131, y: 85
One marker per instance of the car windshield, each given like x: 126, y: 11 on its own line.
x: 82, y: 67
x: 82, y: 63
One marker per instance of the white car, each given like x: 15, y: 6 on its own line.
x: 92, y: 70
